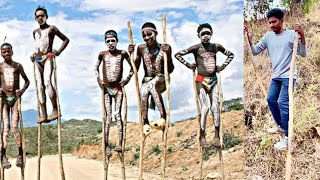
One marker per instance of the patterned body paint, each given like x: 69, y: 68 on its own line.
x: 112, y: 67
x: 44, y: 70
x: 112, y: 70
x: 205, y: 57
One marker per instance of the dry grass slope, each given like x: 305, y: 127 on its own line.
x: 261, y: 158
x: 183, y: 156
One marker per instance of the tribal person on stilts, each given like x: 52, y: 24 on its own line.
x: 151, y: 53
x: 43, y: 57
x: 112, y: 83
x: 10, y: 91
x: 206, y: 80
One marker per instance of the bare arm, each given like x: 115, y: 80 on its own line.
x: 229, y: 55
x: 126, y: 80
x: 64, y: 38
x: 26, y: 81
x: 96, y: 69
x: 179, y: 57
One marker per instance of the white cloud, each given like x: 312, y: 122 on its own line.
x: 80, y: 94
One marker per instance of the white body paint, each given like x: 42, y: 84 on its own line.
x: 8, y: 76
x: 42, y: 41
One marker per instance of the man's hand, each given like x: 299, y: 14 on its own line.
x: 19, y: 92
x: 131, y: 48
x: 55, y: 52
x: 165, y: 48
x: 101, y: 84
x: 124, y: 82
x: 192, y: 66
x: 219, y: 69
x: 299, y: 29
x: 33, y: 57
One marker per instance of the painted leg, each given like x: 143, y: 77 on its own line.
x: 47, y: 75
x: 204, y: 107
x: 214, y: 97
x: 16, y: 133
x: 155, y: 92
x: 41, y: 92
x: 108, y: 105
x: 117, y: 117
x: 5, y: 136
x: 144, y: 108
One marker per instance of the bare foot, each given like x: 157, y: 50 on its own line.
x: 216, y: 143
x: 42, y: 119
x: 5, y: 163
x: 53, y: 116
x: 19, y: 161
x: 118, y: 149
x: 158, y: 124
x: 108, y: 152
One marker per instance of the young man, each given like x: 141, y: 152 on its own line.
x: 44, y: 56
x: 154, y: 81
x: 10, y: 91
x: 279, y: 43
x: 112, y: 83
x: 206, y: 81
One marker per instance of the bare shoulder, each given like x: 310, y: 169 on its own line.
x: 102, y: 53
x: 141, y: 46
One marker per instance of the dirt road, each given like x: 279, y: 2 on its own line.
x: 75, y: 169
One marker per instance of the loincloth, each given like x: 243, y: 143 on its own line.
x: 9, y: 100
x: 42, y: 59
x: 207, y: 82
x: 112, y: 91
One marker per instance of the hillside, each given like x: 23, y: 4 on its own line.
x: 262, y: 160
x: 183, y: 156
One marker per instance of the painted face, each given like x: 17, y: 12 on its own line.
x: 111, y: 42
x: 41, y: 17
x: 275, y: 24
x: 6, y: 52
x: 149, y: 36
x: 205, y: 35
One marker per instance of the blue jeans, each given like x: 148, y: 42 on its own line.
x: 278, y: 101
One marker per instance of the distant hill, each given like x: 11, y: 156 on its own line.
x: 30, y: 117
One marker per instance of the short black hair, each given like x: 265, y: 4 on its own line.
x: 276, y: 12
x: 41, y: 8
x: 111, y: 32
x: 6, y: 44
x: 148, y: 24
x: 205, y: 25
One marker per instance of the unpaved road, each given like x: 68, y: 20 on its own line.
x: 74, y: 168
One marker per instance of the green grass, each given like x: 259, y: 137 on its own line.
x: 74, y: 133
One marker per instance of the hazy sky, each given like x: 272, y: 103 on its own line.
x: 85, y: 22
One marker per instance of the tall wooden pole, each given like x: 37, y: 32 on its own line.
x: 198, y: 120
x: 135, y: 71
x: 291, y: 108
x: 59, y: 122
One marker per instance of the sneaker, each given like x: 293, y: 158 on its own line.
x: 282, y: 144
x: 275, y: 130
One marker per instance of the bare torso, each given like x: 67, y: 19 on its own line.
x: 9, y: 77
x: 112, y: 67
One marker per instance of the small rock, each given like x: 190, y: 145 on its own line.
x: 256, y: 177
x: 213, y: 175
x: 317, y: 152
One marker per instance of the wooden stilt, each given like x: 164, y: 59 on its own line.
x: 257, y: 74
x: 167, y: 80
x: 199, y: 122
x: 1, y: 139
x: 221, y: 126
x: 125, y: 109
x: 23, y: 139
x: 59, y: 121
x: 142, y: 139
x: 291, y: 108
x: 104, y: 145
x: 39, y: 125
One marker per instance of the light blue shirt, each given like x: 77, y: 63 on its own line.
x: 280, y: 49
